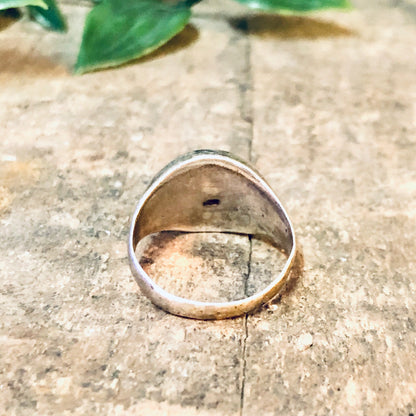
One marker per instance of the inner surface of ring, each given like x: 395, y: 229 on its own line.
x: 213, y: 197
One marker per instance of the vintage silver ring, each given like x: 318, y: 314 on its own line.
x: 210, y: 191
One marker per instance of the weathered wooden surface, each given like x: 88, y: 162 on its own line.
x: 324, y: 106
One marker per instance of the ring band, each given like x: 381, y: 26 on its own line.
x: 210, y: 191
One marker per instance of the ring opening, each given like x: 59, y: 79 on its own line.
x: 209, y: 267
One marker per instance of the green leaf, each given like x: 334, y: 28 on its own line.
x: 51, y: 18
x: 118, y: 31
x: 9, y: 4
x: 295, y: 6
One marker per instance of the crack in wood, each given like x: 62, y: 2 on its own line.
x: 245, y: 329
x: 247, y: 114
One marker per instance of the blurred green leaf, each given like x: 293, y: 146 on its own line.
x: 50, y: 18
x: 118, y: 31
x: 9, y: 4
x: 295, y: 6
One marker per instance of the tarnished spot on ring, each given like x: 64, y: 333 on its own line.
x: 210, y: 191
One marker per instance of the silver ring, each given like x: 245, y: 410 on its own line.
x: 210, y: 191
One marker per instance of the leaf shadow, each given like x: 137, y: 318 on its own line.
x: 13, y: 62
x: 8, y: 17
x: 289, y: 27
x: 182, y: 40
